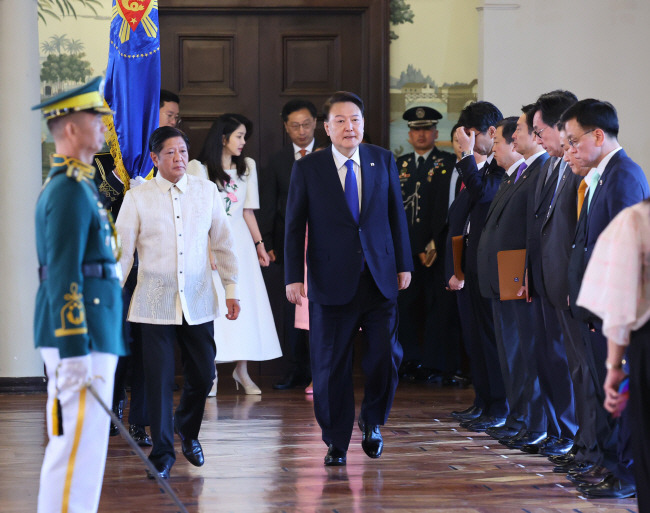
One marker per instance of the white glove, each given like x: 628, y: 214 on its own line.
x: 74, y: 372
x: 134, y: 182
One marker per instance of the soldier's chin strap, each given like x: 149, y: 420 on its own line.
x: 125, y: 434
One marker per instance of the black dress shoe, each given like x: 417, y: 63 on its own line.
x: 591, y: 474
x: 481, y: 418
x: 482, y: 423
x: 426, y: 375
x: 534, y: 447
x: 407, y: 369
x: 140, y: 436
x: 118, y: 410
x: 455, y: 380
x: 372, y: 442
x: 499, y: 433
x: 335, y: 457
x: 572, y: 465
x: 163, y: 472
x: 530, y: 438
x: 193, y: 452
x: 556, y: 447
x: 517, y: 436
x: 610, y: 488
x: 467, y: 414
x: 293, y: 380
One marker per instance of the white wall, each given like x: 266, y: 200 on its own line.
x: 594, y: 48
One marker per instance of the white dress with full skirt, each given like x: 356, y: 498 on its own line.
x: 252, y: 336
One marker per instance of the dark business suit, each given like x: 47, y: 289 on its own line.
x: 481, y: 187
x: 274, y: 188
x: 426, y: 307
x: 561, y: 355
x: 352, y: 282
x: 506, y: 229
x: 621, y: 185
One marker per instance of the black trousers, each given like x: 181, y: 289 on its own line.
x: 485, y: 353
x: 513, y: 326
x: 333, y: 329
x: 197, y: 352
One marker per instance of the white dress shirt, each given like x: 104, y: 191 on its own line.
x: 309, y: 148
x: 339, y: 162
x: 174, y: 227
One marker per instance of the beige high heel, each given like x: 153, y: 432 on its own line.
x: 249, y: 387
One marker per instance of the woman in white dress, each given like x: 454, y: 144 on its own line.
x: 252, y: 336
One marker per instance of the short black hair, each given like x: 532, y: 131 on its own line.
x: 341, y: 97
x: 480, y: 115
x: 591, y: 114
x: 552, y: 105
x: 508, y: 126
x: 161, y: 134
x: 529, y: 112
x: 298, y: 104
x: 168, y: 96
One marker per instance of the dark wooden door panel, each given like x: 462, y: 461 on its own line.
x: 211, y: 61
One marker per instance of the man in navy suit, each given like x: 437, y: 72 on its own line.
x: 614, y: 182
x: 358, y: 257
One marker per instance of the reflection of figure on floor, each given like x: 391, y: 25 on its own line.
x: 302, y: 317
x: 253, y: 335
x: 244, y: 405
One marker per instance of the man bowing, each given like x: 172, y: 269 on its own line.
x: 358, y: 257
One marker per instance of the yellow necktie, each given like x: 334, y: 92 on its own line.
x: 581, y: 195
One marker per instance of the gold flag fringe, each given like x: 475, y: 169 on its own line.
x: 114, y: 148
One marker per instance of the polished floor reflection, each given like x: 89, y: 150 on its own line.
x: 264, y: 454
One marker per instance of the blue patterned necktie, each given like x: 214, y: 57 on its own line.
x: 351, y: 190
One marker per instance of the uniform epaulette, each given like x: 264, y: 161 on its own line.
x: 74, y: 168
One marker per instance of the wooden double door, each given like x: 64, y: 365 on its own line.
x: 252, y: 56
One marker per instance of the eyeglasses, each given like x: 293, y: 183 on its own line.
x: 297, y: 126
x: 574, y: 143
x: 172, y: 117
x: 538, y: 133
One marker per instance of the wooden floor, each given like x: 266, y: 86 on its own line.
x: 264, y: 454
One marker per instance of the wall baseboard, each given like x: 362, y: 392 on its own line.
x: 33, y: 385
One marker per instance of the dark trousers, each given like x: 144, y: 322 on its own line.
x: 586, y: 398
x: 333, y: 329
x: 131, y: 366
x: 485, y: 353
x: 639, y: 412
x: 471, y: 341
x: 553, y: 371
x: 513, y: 327
x: 605, y: 427
x: 197, y: 353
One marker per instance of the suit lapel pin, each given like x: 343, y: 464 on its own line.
x: 372, y: 163
x: 600, y: 182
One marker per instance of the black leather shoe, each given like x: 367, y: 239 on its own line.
x: 193, y: 452
x: 534, y: 447
x: 483, y: 417
x: 163, y: 472
x: 610, y: 488
x: 118, y: 410
x: 563, y: 459
x: 572, y: 465
x: 467, y: 414
x: 530, y: 438
x: 455, y: 380
x: 591, y: 474
x: 407, y: 370
x: 481, y: 424
x: 372, y: 442
x: 499, y: 433
x: 426, y: 375
x: 335, y: 457
x: 292, y: 380
x: 517, y: 436
x: 556, y: 447
x: 140, y: 436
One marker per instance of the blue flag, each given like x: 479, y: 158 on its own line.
x: 132, y: 87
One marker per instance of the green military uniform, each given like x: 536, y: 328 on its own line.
x: 79, y: 301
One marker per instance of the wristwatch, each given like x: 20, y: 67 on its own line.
x: 611, y: 366
x: 466, y: 154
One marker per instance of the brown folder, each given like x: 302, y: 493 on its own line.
x: 457, y: 244
x: 512, y: 266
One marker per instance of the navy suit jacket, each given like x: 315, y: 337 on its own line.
x: 505, y: 225
x: 482, y: 186
x: 621, y: 185
x: 338, y: 245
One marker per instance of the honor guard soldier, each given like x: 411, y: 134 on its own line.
x: 77, y: 324
x: 425, y: 176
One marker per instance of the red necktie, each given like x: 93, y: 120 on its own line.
x: 302, y: 152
